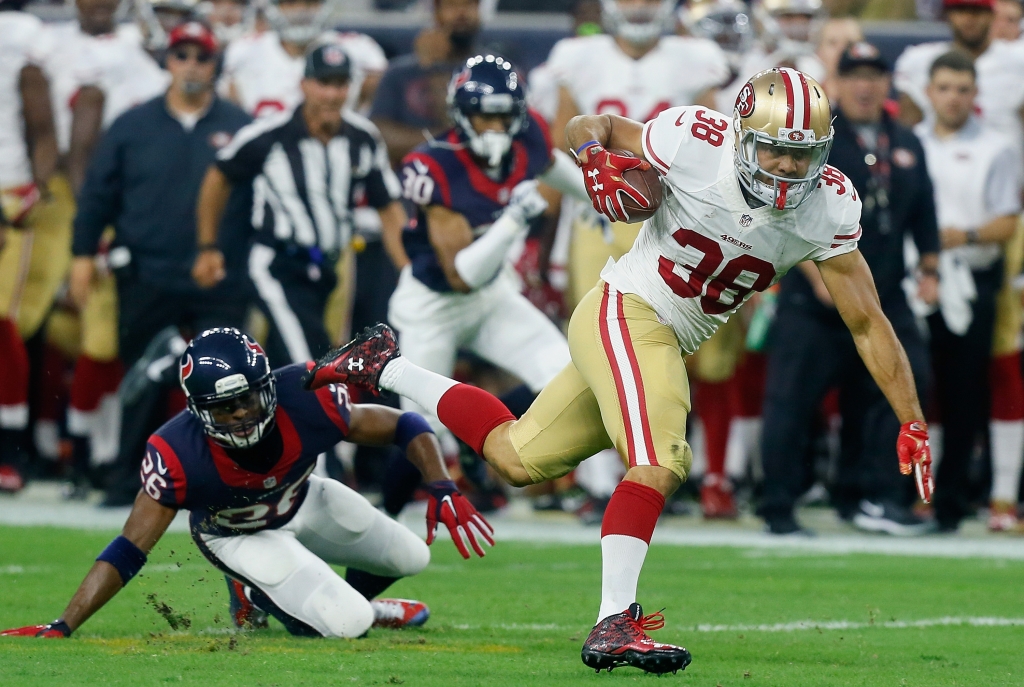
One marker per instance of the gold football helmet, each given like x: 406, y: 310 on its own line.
x: 782, y: 112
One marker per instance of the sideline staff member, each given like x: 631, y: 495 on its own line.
x: 143, y: 180
x: 813, y: 351
x: 308, y: 169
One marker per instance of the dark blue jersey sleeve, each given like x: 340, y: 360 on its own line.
x: 162, y: 474
x: 424, y: 181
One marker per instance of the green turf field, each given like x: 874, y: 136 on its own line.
x: 519, y: 617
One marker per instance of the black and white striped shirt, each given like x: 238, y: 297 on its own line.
x: 304, y: 192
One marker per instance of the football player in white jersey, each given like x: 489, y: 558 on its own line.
x: 28, y: 160
x: 263, y: 69
x: 746, y: 200
x: 1000, y: 100
x: 98, y: 70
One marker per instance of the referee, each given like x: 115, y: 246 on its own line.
x: 309, y: 169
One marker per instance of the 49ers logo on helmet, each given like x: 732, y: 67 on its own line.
x: 796, y: 136
x: 186, y: 367
x: 745, y: 100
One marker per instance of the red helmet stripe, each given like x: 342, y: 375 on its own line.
x: 807, y: 100
x: 789, y: 97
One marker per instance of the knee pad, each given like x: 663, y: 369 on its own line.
x: 409, y: 555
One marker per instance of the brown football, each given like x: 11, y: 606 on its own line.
x: 647, y: 183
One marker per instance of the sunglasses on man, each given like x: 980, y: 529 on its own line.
x: 202, y: 57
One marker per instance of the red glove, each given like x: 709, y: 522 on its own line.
x: 916, y: 456
x: 57, y: 629
x: 602, y: 175
x: 449, y: 506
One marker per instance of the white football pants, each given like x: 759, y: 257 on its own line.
x: 290, y: 564
x: 495, y: 322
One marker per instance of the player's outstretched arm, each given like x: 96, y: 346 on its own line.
x: 113, y: 569
x: 376, y: 425
x: 849, y: 281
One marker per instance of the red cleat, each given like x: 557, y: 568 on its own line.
x: 399, y: 613
x: 244, y: 613
x: 621, y: 640
x: 358, y: 363
x: 716, y: 500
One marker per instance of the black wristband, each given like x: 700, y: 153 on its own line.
x: 203, y: 247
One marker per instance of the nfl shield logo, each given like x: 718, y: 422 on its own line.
x: 745, y: 220
x: 270, y: 482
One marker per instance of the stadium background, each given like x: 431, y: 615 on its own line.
x: 976, y: 575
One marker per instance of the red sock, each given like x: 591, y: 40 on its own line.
x: 471, y: 413
x: 50, y: 393
x: 13, y: 377
x: 748, y: 385
x: 712, y: 402
x: 626, y: 531
x: 633, y: 511
x: 1007, y: 387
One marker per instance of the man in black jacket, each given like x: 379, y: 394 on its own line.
x: 144, y: 179
x: 811, y: 350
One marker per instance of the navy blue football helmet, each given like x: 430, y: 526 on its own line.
x: 488, y: 85
x: 229, y: 386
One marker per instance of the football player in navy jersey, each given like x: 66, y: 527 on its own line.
x: 240, y: 459
x: 471, y: 194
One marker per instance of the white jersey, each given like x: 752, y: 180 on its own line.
x: 604, y: 80
x: 116, y: 63
x: 1000, y: 82
x: 976, y: 175
x: 705, y: 251
x: 266, y: 79
x: 543, y: 93
x: 22, y: 42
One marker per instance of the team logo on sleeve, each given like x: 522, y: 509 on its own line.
x: 745, y: 100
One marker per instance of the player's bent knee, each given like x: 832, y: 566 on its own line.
x: 501, y: 455
x: 337, y: 610
x: 411, y: 557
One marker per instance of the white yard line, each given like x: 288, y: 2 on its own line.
x: 798, y: 626
x: 40, y: 504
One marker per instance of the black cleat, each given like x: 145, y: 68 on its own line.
x: 621, y: 640
x: 358, y: 363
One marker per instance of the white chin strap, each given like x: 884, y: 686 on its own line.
x: 491, y: 145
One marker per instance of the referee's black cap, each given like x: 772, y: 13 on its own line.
x: 326, y: 62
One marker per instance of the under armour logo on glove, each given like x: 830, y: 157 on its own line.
x: 606, y: 186
x: 355, y: 365
x: 915, y: 455
x: 448, y: 506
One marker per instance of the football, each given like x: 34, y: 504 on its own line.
x: 648, y: 183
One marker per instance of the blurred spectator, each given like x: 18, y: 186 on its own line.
x: 225, y: 17
x: 999, y: 67
x: 411, y: 95
x: 836, y: 36
x: 1006, y: 24
x: 977, y: 176
x: 143, y: 180
x: 308, y: 168
x: 263, y: 68
x: 811, y: 349
x: 31, y: 225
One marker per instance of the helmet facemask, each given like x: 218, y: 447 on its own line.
x: 299, y: 25
x: 217, y: 411
x: 779, y: 192
x: 467, y: 98
x: 640, y: 24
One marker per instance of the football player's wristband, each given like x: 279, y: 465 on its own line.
x: 125, y: 556
x: 579, y: 151
x: 410, y: 426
